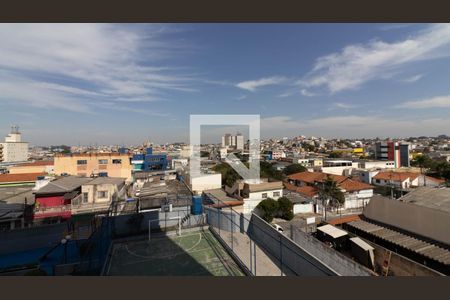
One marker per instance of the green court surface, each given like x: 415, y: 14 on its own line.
x: 195, y: 253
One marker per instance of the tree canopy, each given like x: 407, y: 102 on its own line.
x: 294, y: 168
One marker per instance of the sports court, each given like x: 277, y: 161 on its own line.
x: 195, y: 253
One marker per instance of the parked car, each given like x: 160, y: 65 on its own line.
x: 278, y: 227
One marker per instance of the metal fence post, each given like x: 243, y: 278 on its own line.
x: 219, y: 224
x: 231, y: 225
x: 281, y: 255
x: 254, y: 253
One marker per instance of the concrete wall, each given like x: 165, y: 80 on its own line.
x: 424, y: 221
x: 400, y: 265
x: 286, y: 251
x: 335, y: 260
x: 303, y: 208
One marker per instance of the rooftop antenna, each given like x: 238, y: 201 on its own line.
x: 14, y: 129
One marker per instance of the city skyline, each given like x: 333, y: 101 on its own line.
x: 114, y: 84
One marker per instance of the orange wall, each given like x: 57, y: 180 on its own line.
x: 68, y: 164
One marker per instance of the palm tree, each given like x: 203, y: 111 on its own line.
x: 330, y: 192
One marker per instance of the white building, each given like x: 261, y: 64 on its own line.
x: 236, y: 141
x: 14, y: 150
x: 185, y: 151
x: 380, y: 164
x: 206, y: 182
x: 253, y: 193
x: 338, y: 167
x: 223, y: 153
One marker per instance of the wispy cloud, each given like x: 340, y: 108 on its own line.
x: 440, y: 101
x: 358, y: 64
x: 413, y: 78
x: 69, y: 66
x: 306, y: 93
x: 353, y: 126
x: 340, y: 105
x: 253, y: 85
x: 387, y: 27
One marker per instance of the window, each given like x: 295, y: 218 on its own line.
x: 116, y: 161
x: 85, y: 197
x: 377, y: 180
x: 276, y: 194
x: 82, y: 162
x: 102, y: 194
x: 102, y: 161
x: 264, y: 195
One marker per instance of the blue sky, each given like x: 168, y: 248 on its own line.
x: 126, y: 83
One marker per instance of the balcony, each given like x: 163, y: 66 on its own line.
x: 78, y: 207
x: 63, y: 211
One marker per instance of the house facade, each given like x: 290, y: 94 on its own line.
x: 357, y: 194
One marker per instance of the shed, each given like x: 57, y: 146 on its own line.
x: 363, y: 252
x: 328, y: 233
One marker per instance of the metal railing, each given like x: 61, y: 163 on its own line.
x: 258, y: 247
x: 52, y: 209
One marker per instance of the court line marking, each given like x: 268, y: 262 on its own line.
x: 166, y: 256
x: 149, y: 259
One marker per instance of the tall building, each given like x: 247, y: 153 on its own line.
x: 236, y: 141
x: 14, y: 150
x: 226, y: 140
x: 389, y: 150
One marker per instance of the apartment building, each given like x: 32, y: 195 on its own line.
x: 43, y: 166
x: 94, y: 164
x: 236, y: 141
x: 395, y: 151
x: 13, y: 149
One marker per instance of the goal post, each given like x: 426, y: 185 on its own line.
x: 177, y: 231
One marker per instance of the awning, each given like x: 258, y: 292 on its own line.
x: 332, y: 231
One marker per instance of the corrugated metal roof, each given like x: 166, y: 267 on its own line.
x: 408, y: 242
x: 332, y: 231
x: 362, y: 244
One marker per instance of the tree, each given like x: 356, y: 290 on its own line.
x: 268, y: 207
x: 422, y: 161
x: 268, y: 171
x: 330, y: 192
x: 294, y: 168
x: 285, y: 208
x: 336, y: 154
x: 308, y: 147
x: 229, y: 175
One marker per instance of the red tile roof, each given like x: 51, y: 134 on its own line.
x: 396, y: 176
x: 312, y: 177
x: 16, y: 178
x: 343, y: 182
x: 435, y: 179
x: 344, y: 219
x: 309, y: 191
x: 37, y: 163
